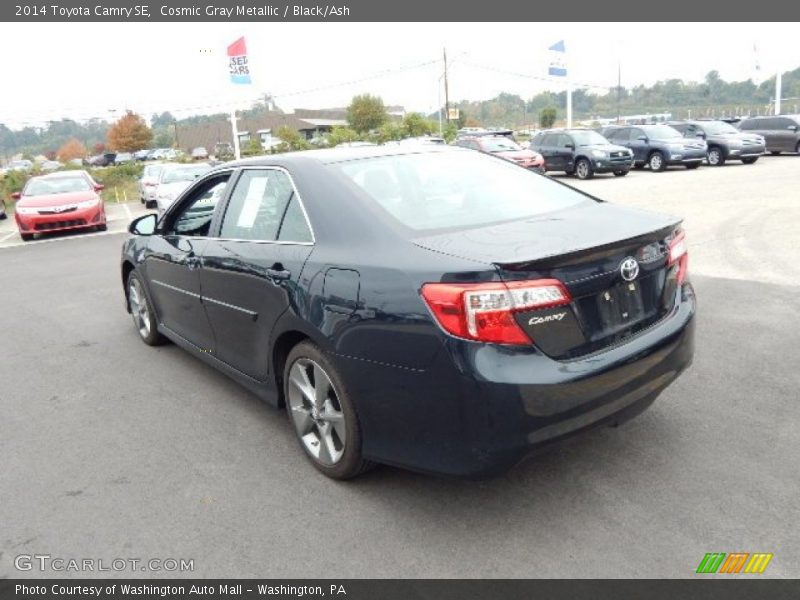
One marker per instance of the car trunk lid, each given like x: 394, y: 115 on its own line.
x: 589, y: 249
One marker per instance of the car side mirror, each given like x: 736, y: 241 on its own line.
x: 700, y: 134
x: 570, y: 146
x: 16, y: 195
x: 792, y: 127
x: 99, y: 187
x: 642, y: 138
x: 144, y: 225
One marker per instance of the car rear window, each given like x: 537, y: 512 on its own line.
x: 455, y: 189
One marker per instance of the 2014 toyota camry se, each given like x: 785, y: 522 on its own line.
x: 426, y: 307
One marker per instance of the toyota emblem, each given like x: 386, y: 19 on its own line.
x: 629, y: 269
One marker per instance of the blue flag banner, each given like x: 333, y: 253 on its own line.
x: 237, y: 62
x: 558, y: 60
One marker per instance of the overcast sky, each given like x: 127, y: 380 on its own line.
x: 82, y: 70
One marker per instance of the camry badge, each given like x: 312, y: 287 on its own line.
x: 629, y: 269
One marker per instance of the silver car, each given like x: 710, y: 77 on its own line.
x: 148, y: 183
x: 173, y: 180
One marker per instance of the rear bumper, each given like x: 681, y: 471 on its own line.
x: 481, y: 408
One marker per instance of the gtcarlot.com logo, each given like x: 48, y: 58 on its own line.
x: 47, y: 562
x: 735, y: 562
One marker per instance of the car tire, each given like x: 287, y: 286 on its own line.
x: 26, y: 237
x: 327, y: 428
x: 3, y: 216
x: 716, y: 157
x: 620, y: 173
x: 144, y: 317
x: 750, y: 161
x: 151, y: 204
x: 797, y: 148
x: 656, y: 162
x: 692, y: 165
x: 583, y: 169
x: 102, y: 227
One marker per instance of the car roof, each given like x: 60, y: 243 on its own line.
x: 63, y: 174
x: 337, y: 155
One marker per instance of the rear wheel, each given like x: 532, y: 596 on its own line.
x: 656, y: 161
x: 583, y: 169
x: 322, y: 413
x: 716, y: 158
x: 620, y: 173
x: 142, y: 312
x: 750, y: 161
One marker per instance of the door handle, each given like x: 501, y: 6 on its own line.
x: 277, y: 273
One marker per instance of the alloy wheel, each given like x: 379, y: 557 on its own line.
x: 655, y: 162
x: 139, y: 310
x: 582, y: 169
x: 713, y: 157
x: 316, y: 412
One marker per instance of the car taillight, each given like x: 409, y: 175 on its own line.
x: 485, y: 311
x: 679, y: 254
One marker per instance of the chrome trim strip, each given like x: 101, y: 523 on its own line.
x: 249, y: 313
x: 176, y: 289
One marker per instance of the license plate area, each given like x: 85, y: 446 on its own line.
x: 620, y: 307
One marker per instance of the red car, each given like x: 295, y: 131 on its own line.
x: 504, y: 147
x: 58, y: 202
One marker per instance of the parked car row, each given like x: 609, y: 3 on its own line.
x: 161, y: 183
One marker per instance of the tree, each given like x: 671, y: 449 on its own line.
x: 99, y: 148
x: 414, y: 125
x: 71, y: 149
x: 389, y: 131
x: 366, y: 113
x: 291, y: 140
x: 165, y: 119
x: 340, y: 135
x: 547, y: 117
x: 130, y: 133
x: 253, y: 147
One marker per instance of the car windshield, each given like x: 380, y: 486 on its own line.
x: 500, y: 145
x: 719, y: 128
x: 183, y: 174
x: 61, y: 185
x: 588, y: 138
x: 455, y: 190
x: 661, y: 132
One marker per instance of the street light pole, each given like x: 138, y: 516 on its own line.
x: 446, y: 90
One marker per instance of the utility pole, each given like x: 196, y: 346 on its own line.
x: 235, y: 132
x: 619, y: 88
x: 778, y: 92
x: 446, y: 89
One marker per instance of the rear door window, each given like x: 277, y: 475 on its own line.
x: 257, y: 205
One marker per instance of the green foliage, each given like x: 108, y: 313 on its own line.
x: 450, y: 132
x: 388, y: 132
x: 366, y: 113
x: 163, y: 138
x: 252, y: 148
x: 415, y: 124
x: 117, y: 175
x: 340, y: 135
x: 547, y: 117
x: 291, y: 140
x: 13, y: 181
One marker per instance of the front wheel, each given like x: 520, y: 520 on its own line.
x: 716, y: 158
x: 142, y: 312
x: 322, y: 413
x: 750, y: 161
x: 620, y: 173
x: 583, y: 169
x: 657, y: 162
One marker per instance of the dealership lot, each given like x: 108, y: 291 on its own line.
x: 112, y: 449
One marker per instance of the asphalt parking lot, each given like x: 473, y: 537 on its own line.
x: 114, y: 449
